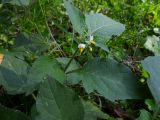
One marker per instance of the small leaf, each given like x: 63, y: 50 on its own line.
x: 145, y: 115
x: 57, y: 102
x: 151, y: 64
x: 151, y: 104
x: 111, y: 79
x: 153, y: 44
x: 10, y: 114
x: 92, y: 112
x: 76, y: 16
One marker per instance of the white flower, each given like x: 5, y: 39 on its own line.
x: 156, y: 30
x: 91, y: 40
x: 81, y: 47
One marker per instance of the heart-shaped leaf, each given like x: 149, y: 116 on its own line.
x: 111, y: 79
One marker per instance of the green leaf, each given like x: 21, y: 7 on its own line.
x: 151, y: 64
x: 17, y: 2
x: 76, y: 16
x: 111, y: 79
x: 43, y: 67
x: 10, y: 114
x: 102, y: 46
x: 145, y: 115
x: 32, y: 43
x: 102, y: 26
x: 13, y: 72
x: 92, y: 112
x: 153, y: 44
x: 151, y: 104
x: 57, y: 102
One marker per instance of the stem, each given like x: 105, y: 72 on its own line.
x: 34, y: 97
x: 70, y: 60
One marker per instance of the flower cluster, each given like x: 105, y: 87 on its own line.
x: 82, y: 46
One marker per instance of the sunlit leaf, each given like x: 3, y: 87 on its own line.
x: 102, y: 26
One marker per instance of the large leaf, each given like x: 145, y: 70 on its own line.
x: 76, y: 16
x: 9, y: 114
x: 43, y: 67
x: 57, y: 102
x: 113, y: 80
x: 102, y: 26
x: 17, y: 2
x: 92, y: 112
x: 152, y: 65
x: 13, y: 72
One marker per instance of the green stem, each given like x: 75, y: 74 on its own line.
x: 70, y: 60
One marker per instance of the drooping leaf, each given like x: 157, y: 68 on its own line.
x: 102, y: 45
x: 42, y: 67
x: 57, y: 102
x: 151, y: 64
x: 76, y: 16
x: 10, y: 114
x: 13, y: 72
x: 92, y: 112
x: 17, y: 2
x: 102, y: 26
x: 111, y: 79
x: 144, y: 115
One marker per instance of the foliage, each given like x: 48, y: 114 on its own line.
x: 90, y: 62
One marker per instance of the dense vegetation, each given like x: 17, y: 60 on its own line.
x: 79, y: 60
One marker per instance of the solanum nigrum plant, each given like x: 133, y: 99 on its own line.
x: 49, y: 79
